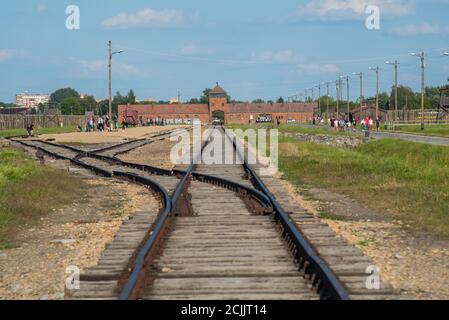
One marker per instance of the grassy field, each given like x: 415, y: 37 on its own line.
x: 405, y: 179
x: 30, y: 191
x: 429, y: 130
x: 17, y: 132
x: 294, y: 128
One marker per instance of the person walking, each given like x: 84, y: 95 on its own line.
x: 108, y: 124
x: 30, y: 130
x: 115, y: 119
x: 100, y: 124
x: 91, y: 124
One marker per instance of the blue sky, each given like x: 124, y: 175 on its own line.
x: 252, y: 48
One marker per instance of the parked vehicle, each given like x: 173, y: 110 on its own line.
x: 131, y: 117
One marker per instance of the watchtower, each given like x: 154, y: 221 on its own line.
x: 218, y: 103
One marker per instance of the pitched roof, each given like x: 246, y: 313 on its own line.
x: 217, y: 90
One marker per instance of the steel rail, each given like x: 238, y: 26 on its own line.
x: 130, y: 286
x: 72, y: 160
x: 139, y: 262
x: 143, y: 167
x: 329, y: 286
x: 150, y: 140
x: 111, y: 159
x: 118, y: 145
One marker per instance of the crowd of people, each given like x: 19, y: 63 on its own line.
x: 344, y: 124
x: 101, y: 124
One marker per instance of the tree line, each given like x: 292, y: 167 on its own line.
x: 69, y: 101
x: 407, y: 99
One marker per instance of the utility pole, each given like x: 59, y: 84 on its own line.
x: 360, y: 74
x: 319, y: 97
x: 337, y: 82
x: 377, y: 69
x: 305, y: 95
x: 312, y: 94
x: 110, y: 77
x: 347, y: 94
x: 339, y: 86
x: 422, y: 58
x: 327, y: 99
x: 395, y: 64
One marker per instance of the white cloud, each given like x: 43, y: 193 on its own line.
x: 193, y: 49
x: 353, y: 9
x: 8, y: 54
x: 89, y: 67
x: 146, y: 18
x: 419, y: 29
x: 314, y: 68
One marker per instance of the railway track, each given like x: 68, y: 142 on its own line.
x: 221, y: 233
x: 226, y: 248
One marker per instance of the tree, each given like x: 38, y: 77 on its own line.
x: 7, y: 105
x: 432, y: 97
x: 405, y: 96
x: 71, y: 105
x: 384, y: 101
x: 61, y: 94
x: 119, y: 99
x: 88, y: 104
x: 194, y: 101
x: 205, y: 97
x: 131, y: 97
x: 280, y: 100
x: 103, y: 107
x: 258, y: 101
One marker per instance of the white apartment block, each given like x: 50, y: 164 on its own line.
x: 26, y: 100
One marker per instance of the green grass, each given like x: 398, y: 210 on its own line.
x: 407, y: 180
x: 331, y: 216
x: 365, y: 242
x: 17, y: 132
x: 30, y: 191
x: 429, y: 130
x: 295, y: 128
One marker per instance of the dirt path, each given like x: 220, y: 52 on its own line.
x: 74, y: 235
x: 107, y: 137
x: 439, y: 141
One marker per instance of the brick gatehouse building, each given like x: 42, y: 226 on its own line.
x: 219, y: 107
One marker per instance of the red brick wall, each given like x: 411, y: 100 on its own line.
x: 173, y: 111
x: 245, y: 118
x: 204, y: 113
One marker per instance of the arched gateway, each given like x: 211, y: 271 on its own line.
x: 232, y: 113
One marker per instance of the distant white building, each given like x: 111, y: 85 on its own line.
x: 150, y: 100
x: 174, y: 101
x: 26, y: 100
